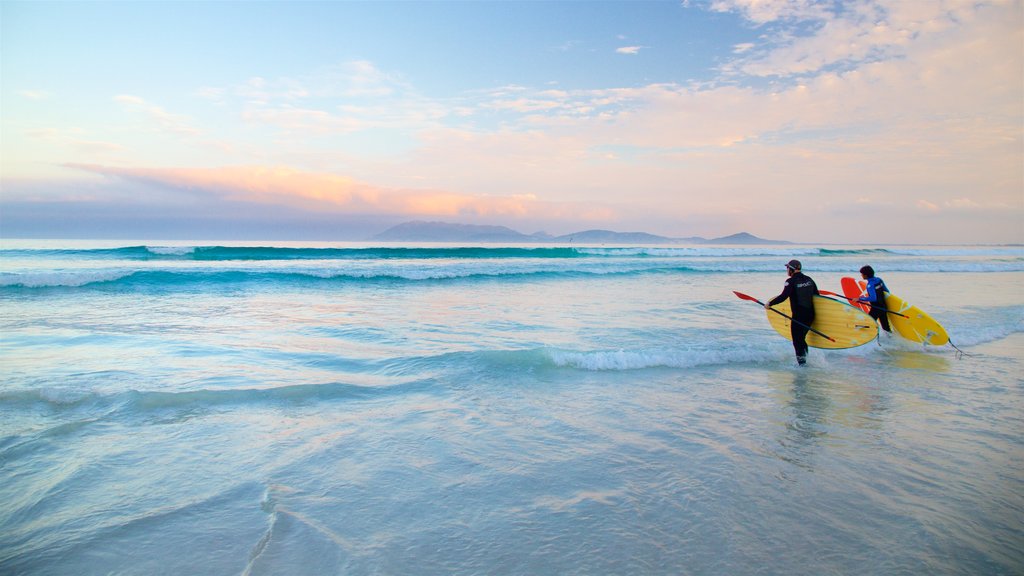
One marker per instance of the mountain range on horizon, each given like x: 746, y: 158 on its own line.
x: 421, y: 231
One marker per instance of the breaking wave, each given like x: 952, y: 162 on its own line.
x: 257, y: 253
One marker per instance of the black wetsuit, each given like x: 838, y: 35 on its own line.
x: 800, y: 290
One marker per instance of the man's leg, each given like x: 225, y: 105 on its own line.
x: 882, y: 318
x: 799, y: 334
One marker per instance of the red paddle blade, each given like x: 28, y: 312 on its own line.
x: 744, y: 296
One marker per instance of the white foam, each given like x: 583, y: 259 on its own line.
x: 60, y: 278
x: 699, y: 252
x: 171, y: 250
x: 1001, y: 251
x: 64, y: 396
x: 660, y: 357
x: 991, y: 326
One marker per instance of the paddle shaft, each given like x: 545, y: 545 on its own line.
x: 790, y: 318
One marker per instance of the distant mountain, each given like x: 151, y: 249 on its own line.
x: 744, y: 238
x: 420, y: 231
x: 445, y: 232
x: 609, y: 237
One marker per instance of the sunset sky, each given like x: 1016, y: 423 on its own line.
x: 854, y: 121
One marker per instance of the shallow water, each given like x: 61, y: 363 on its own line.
x: 499, y: 411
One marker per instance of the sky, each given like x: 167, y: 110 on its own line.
x: 854, y: 121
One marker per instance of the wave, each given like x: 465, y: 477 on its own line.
x: 419, y: 374
x: 118, y: 404
x: 171, y: 277
x: 147, y: 401
x: 260, y: 253
x: 175, y: 267
x: 767, y: 352
x: 605, y: 360
x: 854, y: 252
x: 270, y: 253
x: 168, y: 279
x: 974, y: 326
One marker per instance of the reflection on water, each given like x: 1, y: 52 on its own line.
x: 917, y: 360
x: 803, y: 418
x: 815, y: 409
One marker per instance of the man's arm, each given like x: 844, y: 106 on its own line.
x: 785, y: 294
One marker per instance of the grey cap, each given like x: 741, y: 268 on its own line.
x: 793, y: 265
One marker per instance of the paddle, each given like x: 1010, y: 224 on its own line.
x: 790, y: 318
x: 827, y: 293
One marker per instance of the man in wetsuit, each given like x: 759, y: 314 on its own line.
x: 800, y: 290
x: 876, y: 296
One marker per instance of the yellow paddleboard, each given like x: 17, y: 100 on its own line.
x: 848, y: 326
x: 918, y: 326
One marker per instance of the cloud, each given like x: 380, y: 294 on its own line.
x: 73, y: 138
x: 631, y: 50
x: 808, y: 37
x: 305, y: 121
x: 765, y: 11
x: 341, y: 99
x: 34, y: 94
x: 165, y: 121
x: 212, y: 94
x: 335, y: 193
x: 351, y: 80
x: 567, y: 46
x: 963, y: 205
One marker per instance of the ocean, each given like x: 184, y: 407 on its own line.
x: 317, y: 408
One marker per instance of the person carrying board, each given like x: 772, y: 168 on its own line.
x: 876, y: 290
x: 800, y: 290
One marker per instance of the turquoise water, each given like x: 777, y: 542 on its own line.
x: 202, y: 408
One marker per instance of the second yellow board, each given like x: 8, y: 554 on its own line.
x: 914, y: 324
x: 909, y: 321
x: 848, y: 326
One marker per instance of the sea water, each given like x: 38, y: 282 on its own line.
x: 216, y: 408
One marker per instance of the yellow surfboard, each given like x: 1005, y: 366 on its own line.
x: 914, y: 324
x: 848, y: 326
x: 917, y: 326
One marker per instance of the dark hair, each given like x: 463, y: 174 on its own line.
x: 868, y: 271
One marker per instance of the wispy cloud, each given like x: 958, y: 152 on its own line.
x: 844, y: 35
x: 631, y: 50
x: 73, y: 138
x: 354, y: 79
x: 34, y: 94
x: 341, y: 194
x: 961, y: 205
x: 179, y: 124
x: 567, y: 46
x: 341, y: 99
x: 764, y: 11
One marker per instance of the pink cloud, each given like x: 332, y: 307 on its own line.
x: 332, y: 192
